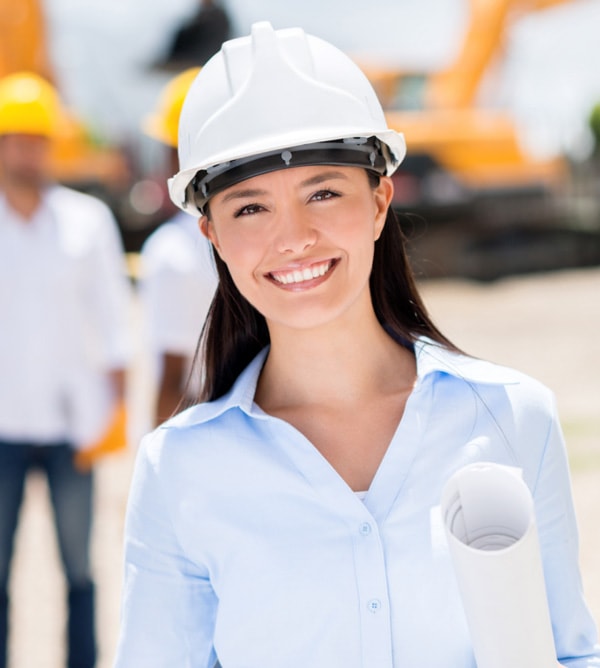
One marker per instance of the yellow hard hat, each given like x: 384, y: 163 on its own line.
x: 29, y: 105
x: 163, y: 123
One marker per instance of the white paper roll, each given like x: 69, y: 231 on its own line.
x: 490, y: 525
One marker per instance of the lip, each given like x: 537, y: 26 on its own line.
x: 301, y: 276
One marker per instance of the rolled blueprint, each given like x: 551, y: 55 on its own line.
x: 489, y: 518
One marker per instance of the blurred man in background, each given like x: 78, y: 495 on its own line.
x: 63, y: 345
x: 177, y: 274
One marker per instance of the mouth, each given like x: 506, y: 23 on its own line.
x: 304, y: 275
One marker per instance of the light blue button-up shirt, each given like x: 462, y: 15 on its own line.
x: 242, y: 541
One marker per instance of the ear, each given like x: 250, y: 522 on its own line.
x: 208, y: 230
x: 382, y: 195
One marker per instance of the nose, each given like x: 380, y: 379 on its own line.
x: 295, y: 231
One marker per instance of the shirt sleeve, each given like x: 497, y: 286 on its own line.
x: 574, y: 629
x: 168, y: 607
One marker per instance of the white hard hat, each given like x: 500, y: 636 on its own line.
x: 275, y: 99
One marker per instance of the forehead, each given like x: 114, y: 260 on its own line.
x: 23, y: 140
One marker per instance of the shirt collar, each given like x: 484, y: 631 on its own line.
x: 243, y: 391
x: 431, y: 357
x: 241, y: 396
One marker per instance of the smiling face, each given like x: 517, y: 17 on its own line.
x: 299, y: 242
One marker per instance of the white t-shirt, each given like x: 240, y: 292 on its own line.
x: 64, y: 305
x: 177, y: 283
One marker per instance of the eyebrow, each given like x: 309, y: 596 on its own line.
x: 323, y: 176
x: 257, y: 192
x: 239, y: 194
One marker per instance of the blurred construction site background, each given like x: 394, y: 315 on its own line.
x: 497, y: 100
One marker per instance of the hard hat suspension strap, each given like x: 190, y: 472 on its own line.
x: 350, y: 152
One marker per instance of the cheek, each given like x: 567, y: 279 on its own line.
x: 358, y: 227
x: 234, y: 248
x: 241, y: 253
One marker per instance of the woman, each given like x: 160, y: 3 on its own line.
x: 291, y: 518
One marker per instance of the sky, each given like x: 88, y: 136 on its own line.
x: 548, y: 76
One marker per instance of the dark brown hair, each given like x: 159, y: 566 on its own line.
x: 235, y: 332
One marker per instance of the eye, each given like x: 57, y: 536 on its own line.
x: 322, y: 195
x: 248, y: 210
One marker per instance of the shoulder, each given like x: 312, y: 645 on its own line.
x: 493, y: 383
x: 191, y: 426
x: 61, y: 196
x: 197, y: 450
x: 177, y: 244
x: 83, y: 222
x: 433, y: 357
x: 514, y: 414
x: 180, y: 229
x: 217, y: 429
x: 165, y: 239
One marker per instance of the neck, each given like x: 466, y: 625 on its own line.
x: 24, y: 199
x: 343, y: 362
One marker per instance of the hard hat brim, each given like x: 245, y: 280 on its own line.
x: 185, y: 188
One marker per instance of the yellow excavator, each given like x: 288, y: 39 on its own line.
x: 78, y: 159
x: 447, y: 132
x: 474, y: 201
x: 478, y: 145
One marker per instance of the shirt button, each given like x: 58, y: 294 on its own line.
x: 374, y: 605
x: 365, y: 529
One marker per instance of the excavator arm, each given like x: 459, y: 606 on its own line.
x: 489, y: 20
x: 23, y: 39
x: 447, y: 131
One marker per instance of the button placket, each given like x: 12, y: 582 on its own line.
x: 372, y: 592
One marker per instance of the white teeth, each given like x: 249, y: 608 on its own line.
x: 307, y: 274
